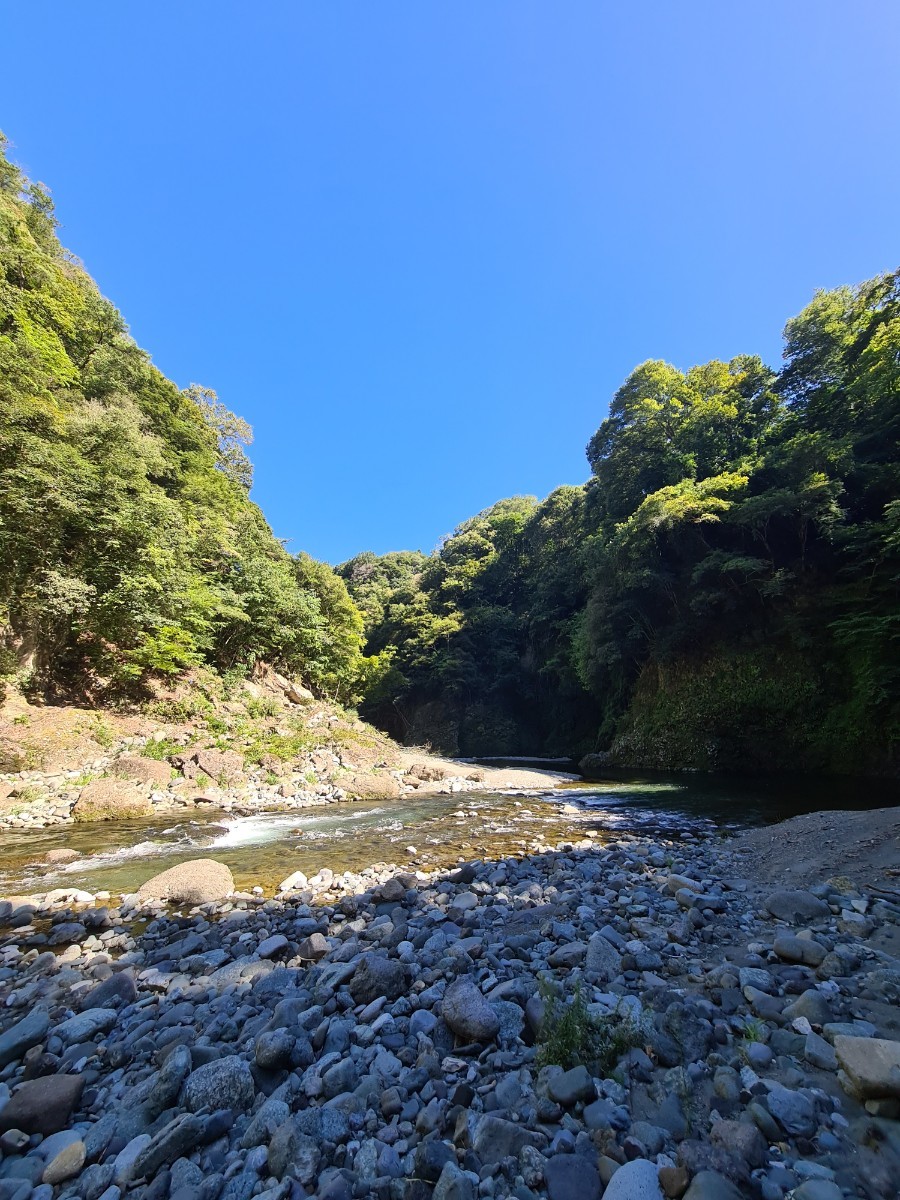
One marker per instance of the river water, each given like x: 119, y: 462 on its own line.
x: 424, y: 831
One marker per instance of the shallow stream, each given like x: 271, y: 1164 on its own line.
x: 424, y: 831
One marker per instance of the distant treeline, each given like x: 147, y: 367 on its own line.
x: 128, y: 544
x: 723, y: 592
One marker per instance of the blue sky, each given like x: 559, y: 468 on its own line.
x: 419, y: 245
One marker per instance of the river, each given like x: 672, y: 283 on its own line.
x: 423, y: 831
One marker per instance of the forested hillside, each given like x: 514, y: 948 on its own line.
x: 128, y: 544
x: 723, y: 592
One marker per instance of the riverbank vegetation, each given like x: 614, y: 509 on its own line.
x: 129, y: 547
x: 723, y: 592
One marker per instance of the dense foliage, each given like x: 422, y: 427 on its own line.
x: 724, y: 591
x: 128, y: 543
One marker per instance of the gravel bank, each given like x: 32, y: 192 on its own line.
x: 384, y: 1035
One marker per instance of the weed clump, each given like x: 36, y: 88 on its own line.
x: 570, y: 1035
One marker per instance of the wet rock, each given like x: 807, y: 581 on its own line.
x: 467, y: 1013
x: 197, y: 881
x: 223, y: 1083
x: 796, y: 907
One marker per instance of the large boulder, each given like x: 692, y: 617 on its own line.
x: 223, y: 767
x: 467, y: 1013
x: 796, y: 907
x: 871, y: 1066
x: 222, y: 1083
x: 143, y: 770
x: 43, y: 1105
x: 377, y: 976
x: 112, y: 800
x: 197, y: 881
x: 372, y: 787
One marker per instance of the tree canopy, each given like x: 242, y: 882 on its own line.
x: 128, y: 543
x: 724, y: 590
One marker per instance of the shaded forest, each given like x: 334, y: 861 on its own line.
x: 723, y: 592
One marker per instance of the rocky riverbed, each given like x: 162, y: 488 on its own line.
x: 394, y: 1034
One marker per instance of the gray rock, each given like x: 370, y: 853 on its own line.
x: 42, y: 1105
x: 709, y: 1185
x: 572, y: 1177
x: 602, y: 958
x: 820, y: 1053
x: 467, y: 1013
x: 175, y: 1139
x: 65, y: 1164
x: 23, y: 1035
x: 637, y: 1180
x: 812, y: 1005
x: 453, y: 1184
x: 793, y: 1111
x: 570, y: 1087
x: 496, y: 1139
x: 377, y: 976
x: 197, y: 881
x: 223, y: 1083
x: 871, y: 1066
x: 568, y: 955
x: 796, y: 907
x: 818, y: 1189
x: 741, y: 1138
x: 799, y: 950
x: 123, y: 1167
x: 324, y: 1124
x: 293, y: 1152
x: 117, y: 989
x: 164, y: 1087
x: 269, y: 1117
x: 86, y: 1025
x: 312, y: 948
x: 274, y: 1049
x: 271, y: 946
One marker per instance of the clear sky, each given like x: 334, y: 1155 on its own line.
x: 419, y: 244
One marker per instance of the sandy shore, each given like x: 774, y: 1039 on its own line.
x: 494, y: 777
